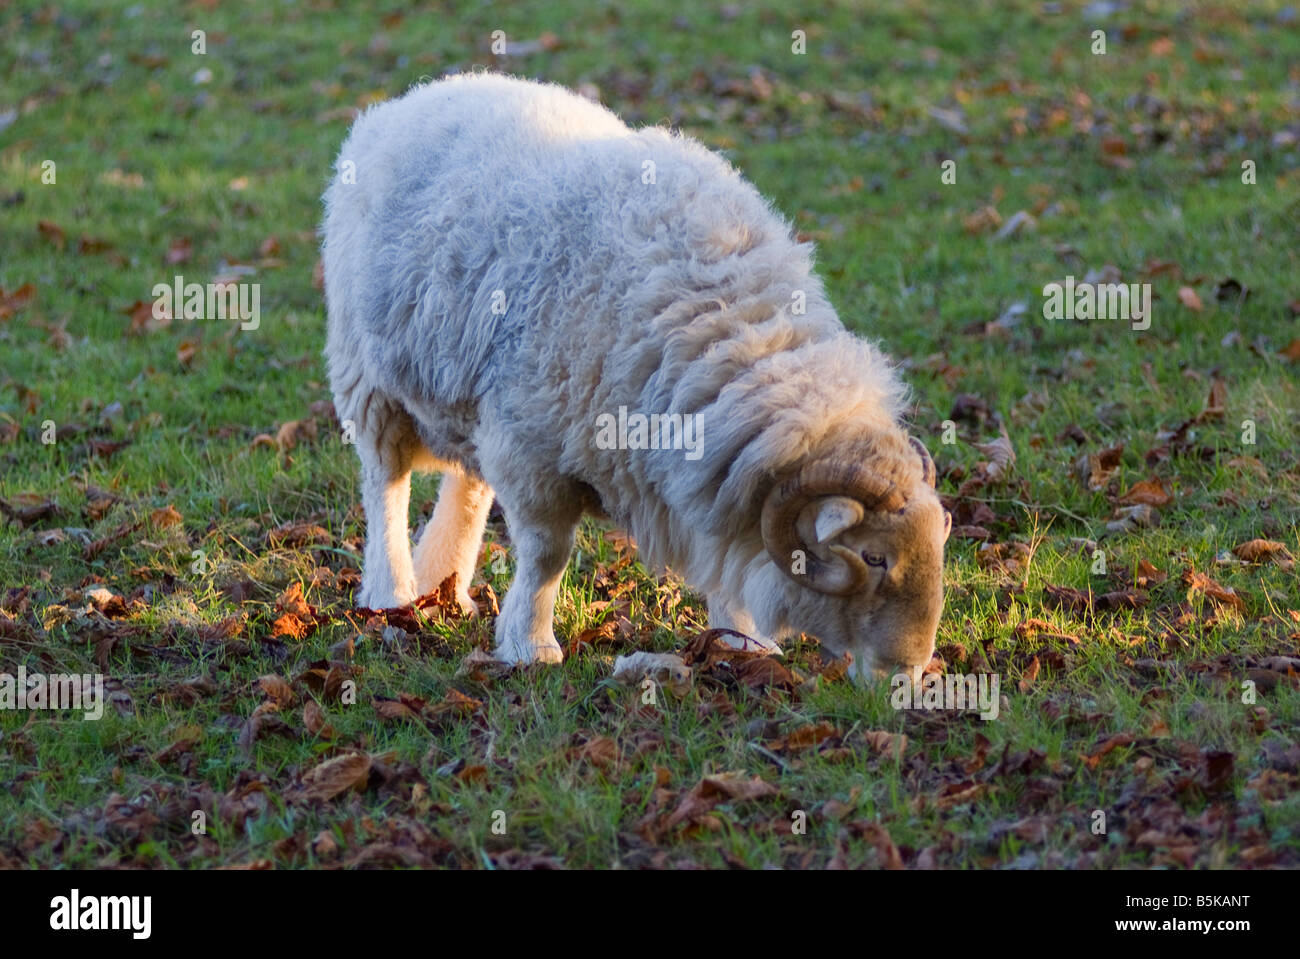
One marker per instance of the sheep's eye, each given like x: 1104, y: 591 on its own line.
x: 874, y: 559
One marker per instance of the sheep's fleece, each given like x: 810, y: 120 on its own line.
x: 516, y: 281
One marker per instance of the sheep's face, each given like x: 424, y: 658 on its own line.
x: 867, y: 565
x: 889, y: 623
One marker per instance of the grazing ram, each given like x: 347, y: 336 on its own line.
x: 510, y: 270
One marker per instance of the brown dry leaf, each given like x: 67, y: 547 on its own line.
x: 52, y: 232
x: 1068, y: 598
x: 290, y: 626
x: 1145, y: 574
x: 179, y: 250
x: 91, y: 245
x: 293, y: 432
x: 396, y: 709
x: 454, y: 706
x: 297, y: 535
x: 1265, y: 551
x: 1101, y: 749
x: 603, y: 633
x: 1096, y: 469
x: 1251, y: 464
x: 1007, y: 558
x: 1216, y: 403
x: 132, y: 818
x: 1127, y: 519
x: 1152, y: 492
x: 336, y: 776
x: 764, y: 672
x: 264, y: 721
x: 1291, y: 351
x: 1222, y: 595
x: 599, y: 751
x: 1124, y: 599
x: 277, y: 689
x: 293, y: 601
x: 1189, y: 298
x: 983, y: 220
x: 736, y: 786
x: 143, y: 319
x: 186, y: 351
x: 878, y: 836
x: 1001, y: 456
x: 165, y: 517
x: 885, y: 743
x: 19, y: 299
x: 1218, y: 769
x: 955, y: 794
x: 313, y: 717
x: 295, y: 618
x: 807, y: 736
x: 28, y: 508
x: 1029, y: 675
x: 105, y: 449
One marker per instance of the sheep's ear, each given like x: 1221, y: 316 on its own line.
x: 835, y: 514
x: 947, y: 525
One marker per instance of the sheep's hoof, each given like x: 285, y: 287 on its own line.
x: 526, y: 652
x: 381, y: 598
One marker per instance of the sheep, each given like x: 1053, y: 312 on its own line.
x: 513, y: 277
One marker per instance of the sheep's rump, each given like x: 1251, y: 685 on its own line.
x: 515, y: 251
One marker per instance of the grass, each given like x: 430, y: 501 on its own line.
x: 1133, y: 159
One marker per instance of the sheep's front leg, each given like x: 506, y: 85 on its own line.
x: 727, y: 615
x: 388, y: 578
x: 542, y: 544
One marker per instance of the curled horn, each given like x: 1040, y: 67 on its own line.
x: 927, y: 464
x: 786, y: 501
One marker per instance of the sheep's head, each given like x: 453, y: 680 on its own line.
x: 867, y: 551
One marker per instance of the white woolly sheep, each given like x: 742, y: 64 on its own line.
x: 517, y: 283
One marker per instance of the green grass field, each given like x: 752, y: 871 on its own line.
x: 193, y: 470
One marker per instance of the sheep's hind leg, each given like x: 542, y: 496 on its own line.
x: 543, y: 540
x: 387, y: 444
x: 451, y: 540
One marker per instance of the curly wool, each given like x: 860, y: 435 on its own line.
x: 629, y: 268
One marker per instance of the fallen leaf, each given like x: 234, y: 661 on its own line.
x: 1127, y: 519
x: 1188, y: 297
x: 277, y: 689
x: 1152, y: 492
x: 336, y: 776
x: 313, y: 717
x: 52, y: 232
x: 1265, y: 551
x: 1222, y: 595
x: 1096, y: 469
x: 165, y: 517
x: 19, y: 299
x: 179, y: 250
